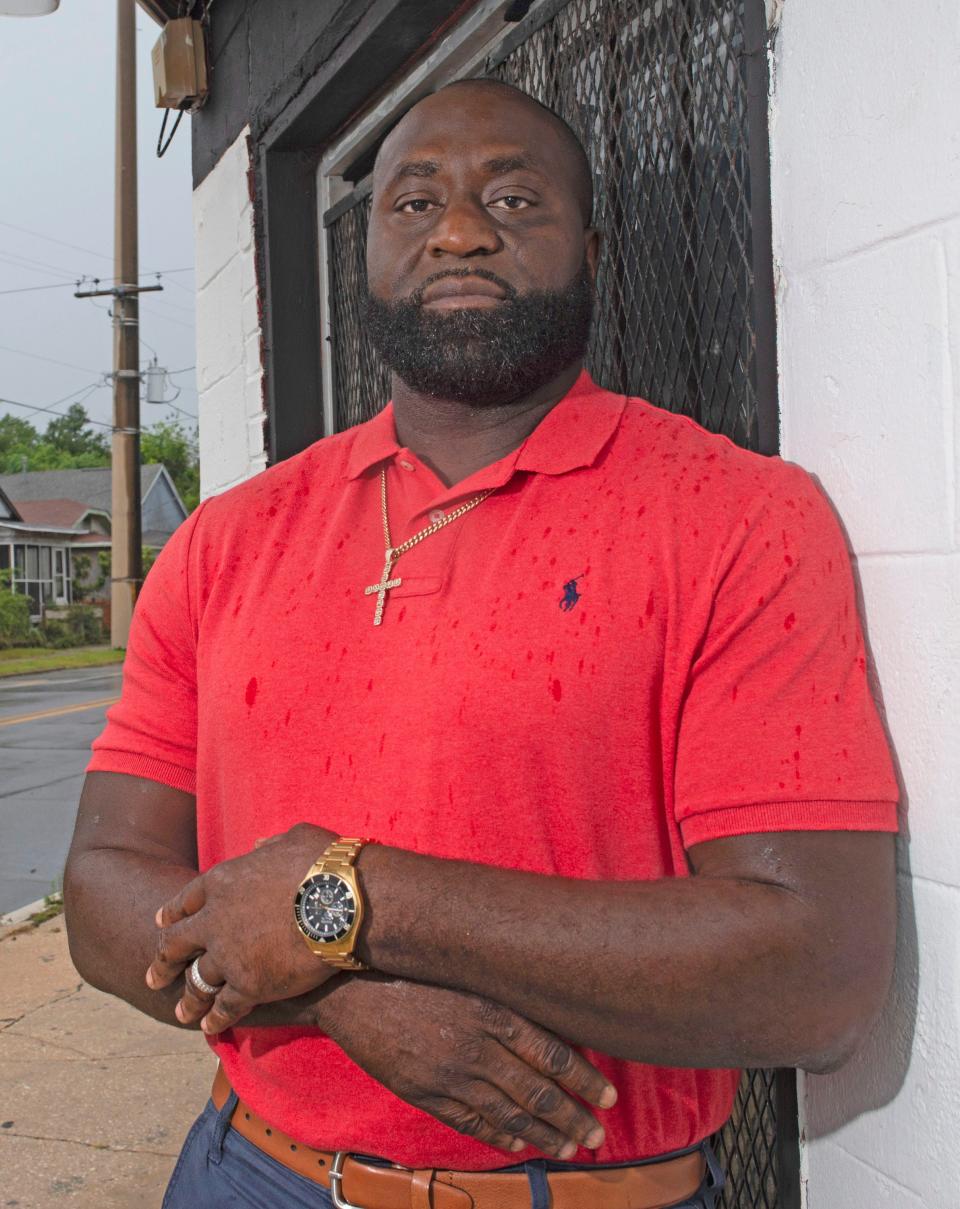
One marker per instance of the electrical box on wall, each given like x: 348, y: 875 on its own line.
x: 180, y: 65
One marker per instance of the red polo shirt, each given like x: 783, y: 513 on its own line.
x: 645, y: 638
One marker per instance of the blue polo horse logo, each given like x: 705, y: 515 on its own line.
x: 570, y: 594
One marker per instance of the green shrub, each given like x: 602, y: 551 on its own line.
x: 80, y: 626
x: 15, y: 626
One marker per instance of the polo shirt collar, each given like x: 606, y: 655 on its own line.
x: 570, y: 436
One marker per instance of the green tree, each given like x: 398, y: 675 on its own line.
x: 70, y: 434
x: 18, y: 440
x: 170, y: 442
x: 69, y: 444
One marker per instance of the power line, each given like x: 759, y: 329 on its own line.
x: 61, y: 242
x: 28, y: 265
x: 30, y: 289
x: 166, y: 318
x: 19, y: 352
x: 52, y: 410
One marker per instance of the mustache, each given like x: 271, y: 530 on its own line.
x: 510, y: 292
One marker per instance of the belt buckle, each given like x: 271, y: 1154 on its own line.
x: 336, y: 1178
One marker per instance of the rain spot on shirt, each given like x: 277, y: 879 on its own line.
x: 557, y: 689
x: 251, y: 694
x: 789, y: 621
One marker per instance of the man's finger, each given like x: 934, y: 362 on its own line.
x: 188, y: 902
x: 506, y: 1116
x: 545, y: 1100
x: 177, y: 946
x: 465, y: 1119
x: 195, y: 1004
x: 228, y: 1007
x: 557, y: 1060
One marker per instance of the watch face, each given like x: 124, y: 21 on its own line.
x: 325, y: 907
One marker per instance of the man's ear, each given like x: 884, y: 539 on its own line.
x: 591, y: 250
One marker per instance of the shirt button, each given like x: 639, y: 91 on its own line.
x: 406, y: 465
x: 436, y: 516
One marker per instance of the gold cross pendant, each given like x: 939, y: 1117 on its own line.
x: 382, y: 588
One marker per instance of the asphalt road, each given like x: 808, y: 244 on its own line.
x: 42, y: 759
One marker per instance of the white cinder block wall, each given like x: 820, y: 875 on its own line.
x: 229, y: 374
x: 865, y: 148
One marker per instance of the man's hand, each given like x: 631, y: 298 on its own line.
x: 470, y: 1063
x: 238, y: 917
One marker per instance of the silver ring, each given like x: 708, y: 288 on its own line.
x: 198, y: 981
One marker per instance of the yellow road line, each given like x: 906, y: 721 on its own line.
x: 56, y: 713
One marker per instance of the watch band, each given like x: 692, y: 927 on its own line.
x: 337, y: 858
x: 344, y: 851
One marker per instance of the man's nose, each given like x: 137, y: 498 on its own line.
x: 465, y: 228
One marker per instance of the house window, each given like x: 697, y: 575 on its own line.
x: 34, y: 574
x: 669, y: 98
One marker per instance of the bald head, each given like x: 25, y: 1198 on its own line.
x: 506, y: 100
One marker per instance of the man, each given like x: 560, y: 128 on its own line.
x: 604, y: 714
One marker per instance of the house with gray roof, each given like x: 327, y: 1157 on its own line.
x: 54, y: 524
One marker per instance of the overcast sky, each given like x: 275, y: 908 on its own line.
x: 56, y: 184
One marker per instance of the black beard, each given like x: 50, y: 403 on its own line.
x: 483, y: 356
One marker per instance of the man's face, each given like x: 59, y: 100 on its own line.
x: 480, y: 269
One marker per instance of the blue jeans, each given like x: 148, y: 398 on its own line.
x: 219, y: 1169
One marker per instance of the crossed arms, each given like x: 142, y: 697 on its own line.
x: 777, y: 951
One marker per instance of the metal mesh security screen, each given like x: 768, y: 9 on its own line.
x: 669, y: 98
x: 361, y: 384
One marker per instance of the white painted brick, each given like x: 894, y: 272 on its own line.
x: 221, y: 212
x: 224, y: 451
x: 841, y: 1181
x: 913, y: 629
x: 251, y: 355
x: 865, y: 392
x: 255, y: 449
x: 867, y: 142
x: 896, y: 1105
x: 253, y: 398
x: 219, y: 326
x: 248, y: 273
x: 249, y: 317
x: 952, y: 244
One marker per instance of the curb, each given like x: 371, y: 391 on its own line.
x: 22, y: 913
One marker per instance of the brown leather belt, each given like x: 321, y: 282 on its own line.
x: 360, y: 1185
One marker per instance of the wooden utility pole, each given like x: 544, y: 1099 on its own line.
x: 126, y: 544
x: 126, y: 549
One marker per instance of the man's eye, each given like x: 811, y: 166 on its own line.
x: 511, y: 202
x: 416, y: 205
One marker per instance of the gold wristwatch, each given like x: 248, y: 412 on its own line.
x: 329, y: 905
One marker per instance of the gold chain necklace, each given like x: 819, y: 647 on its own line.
x: 386, y: 584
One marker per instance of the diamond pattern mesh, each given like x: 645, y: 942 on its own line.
x: 658, y: 96
x: 361, y: 384
x: 657, y: 91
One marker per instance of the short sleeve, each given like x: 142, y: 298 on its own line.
x: 778, y: 730
x: 152, y: 731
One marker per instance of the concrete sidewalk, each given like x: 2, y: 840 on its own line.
x: 95, y: 1099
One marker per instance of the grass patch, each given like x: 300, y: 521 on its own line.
x: 52, y: 907
x: 22, y: 661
